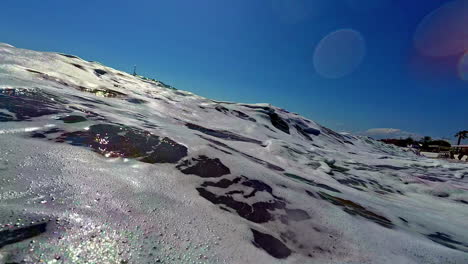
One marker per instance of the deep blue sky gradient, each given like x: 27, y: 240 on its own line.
x: 261, y: 51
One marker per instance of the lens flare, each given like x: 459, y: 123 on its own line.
x: 444, y: 32
x: 292, y: 12
x: 463, y: 67
x: 368, y: 5
x: 339, y: 53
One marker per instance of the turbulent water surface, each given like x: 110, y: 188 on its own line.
x: 99, y: 166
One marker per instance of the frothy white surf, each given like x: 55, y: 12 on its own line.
x: 257, y: 183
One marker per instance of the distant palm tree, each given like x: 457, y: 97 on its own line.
x: 461, y: 135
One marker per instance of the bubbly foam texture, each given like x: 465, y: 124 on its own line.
x: 99, y: 166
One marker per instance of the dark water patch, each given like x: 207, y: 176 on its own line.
x: 259, y: 186
x: 448, y: 241
x: 273, y: 246
x: 297, y: 214
x: 50, y: 78
x: 204, y: 167
x: 288, y: 235
x: 430, y: 178
x: 223, y: 183
x: 43, y: 134
x: 68, y: 56
x: 352, y: 181
x: 99, y: 72
x: 442, y: 194
x: 89, y: 105
x: 462, y: 201
x: 150, y: 126
x: 224, y: 209
x: 73, y: 119
x: 403, y: 219
x: 139, y: 116
x: 326, y: 187
x: 162, y: 84
x: 180, y: 93
x: 338, y: 137
x: 305, y: 130
x: 390, y: 167
x: 89, y: 114
x: 353, y: 208
x: 317, y: 146
x: 300, y: 179
x: 218, y: 143
x: 235, y: 192
x: 382, y: 189
x: 53, y: 130
x: 312, y: 131
x: 222, y: 134
x: 335, y: 168
x: 168, y: 98
x: 236, y: 113
x: 38, y: 135
x: 222, y: 109
x: 421, y: 166
x: 219, y: 149
x: 250, y: 157
x: 267, y: 127
x: 127, y: 142
x: 8, y: 237
x: 361, y: 166
x: 372, y: 181
x: 278, y: 122
x: 294, y: 151
x: 136, y: 101
x: 91, y: 100
x: 266, y: 108
x: 303, y: 133
x: 5, y: 117
x: 314, y: 164
x: 36, y: 72
x: 257, y: 212
x: 78, y: 66
x: 26, y: 104
x: 244, y: 116
x: 311, y: 194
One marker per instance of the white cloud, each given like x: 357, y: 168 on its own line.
x: 383, y: 131
x: 379, y: 133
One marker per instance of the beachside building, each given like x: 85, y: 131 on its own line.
x: 460, y: 146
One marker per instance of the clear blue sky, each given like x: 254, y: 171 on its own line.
x: 263, y: 51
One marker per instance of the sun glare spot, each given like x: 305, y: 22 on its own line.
x: 444, y: 32
x: 463, y: 67
x: 339, y: 53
